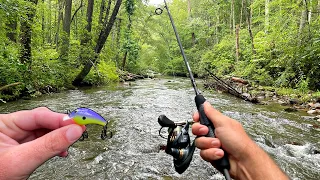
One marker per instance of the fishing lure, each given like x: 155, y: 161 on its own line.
x: 85, y: 116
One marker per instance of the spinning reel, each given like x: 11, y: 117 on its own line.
x: 178, y: 142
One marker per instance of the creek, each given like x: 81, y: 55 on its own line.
x: 133, y: 151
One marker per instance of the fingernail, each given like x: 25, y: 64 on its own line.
x: 73, y: 133
x: 219, y: 152
x: 66, y: 118
x: 203, y: 130
x: 215, y: 142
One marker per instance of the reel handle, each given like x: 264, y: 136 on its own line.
x: 222, y: 163
x: 165, y: 122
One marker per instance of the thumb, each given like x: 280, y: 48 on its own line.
x: 40, y: 150
x: 216, y: 117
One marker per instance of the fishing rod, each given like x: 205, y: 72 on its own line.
x: 222, y: 164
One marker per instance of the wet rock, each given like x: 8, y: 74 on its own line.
x: 296, y: 143
x: 316, y: 151
x: 312, y: 111
x: 315, y: 126
x: 262, y: 93
x: 310, y: 105
x: 247, y: 95
x: 263, y: 103
x: 283, y: 103
x: 260, y: 97
x: 269, y: 94
x: 290, y: 109
x: 317, y: 105
x: 294, y: 101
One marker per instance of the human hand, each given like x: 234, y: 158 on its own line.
x: 247, y: 160
x: 31, y: 137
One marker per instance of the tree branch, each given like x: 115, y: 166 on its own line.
x: 75, y: 13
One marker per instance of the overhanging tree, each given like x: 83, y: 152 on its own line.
x: 104, y: 33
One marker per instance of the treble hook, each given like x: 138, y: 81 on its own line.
x: 104, y: 133
x: 84, y: 135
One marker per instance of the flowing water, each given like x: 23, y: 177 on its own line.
x: 133, y: 152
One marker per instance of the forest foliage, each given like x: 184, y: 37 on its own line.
x: 49, y: 45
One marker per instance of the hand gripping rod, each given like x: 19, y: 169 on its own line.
x: 223, y: 163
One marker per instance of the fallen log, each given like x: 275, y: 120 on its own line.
x: 228, y: 88
x: 239, y: 80
x: 9, y: 85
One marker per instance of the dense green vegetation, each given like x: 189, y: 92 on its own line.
x: 49, y: 45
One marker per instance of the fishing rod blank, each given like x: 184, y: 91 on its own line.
x: 223, y: 163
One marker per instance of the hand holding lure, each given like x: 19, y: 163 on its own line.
x: 85, y: 116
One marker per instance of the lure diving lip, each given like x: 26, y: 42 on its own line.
x: 85, y: 116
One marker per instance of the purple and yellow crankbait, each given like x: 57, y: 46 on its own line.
x: 85, y: 116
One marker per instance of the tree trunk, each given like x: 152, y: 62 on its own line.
x: 64, y: 51
x: 75, y: 13
x: 89, y: 15
x: 249, y: 15
x: 193, y: 36
x: 241, y: 12
x: 60, y: 17
x: 49, y: 22
x: 309, y: 12
x: 189, y: 8
x: 43, y: 26
x: 237, y: 42
x: 304, y: 15
x: 118, y: 25
x: 85, y: 42
x: 266, y: 11
x: 100, y: 43
x: 102, y: 8
x: 106, y: 17
x: 233, y: 21
x: 26, y: 35
x: 217, y: 29
x: 124, y: 60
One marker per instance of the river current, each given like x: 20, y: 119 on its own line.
x: 133, y: 151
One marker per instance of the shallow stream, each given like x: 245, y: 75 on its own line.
x: 133, y: 152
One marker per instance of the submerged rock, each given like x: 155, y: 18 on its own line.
x: 290, y: 109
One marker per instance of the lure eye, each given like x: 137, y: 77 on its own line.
x: 84, y: 118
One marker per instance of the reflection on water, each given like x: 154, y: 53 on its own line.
x: 133, y: 152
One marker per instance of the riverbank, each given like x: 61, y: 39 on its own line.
x: 26, y: 90
x: 293, y: 100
